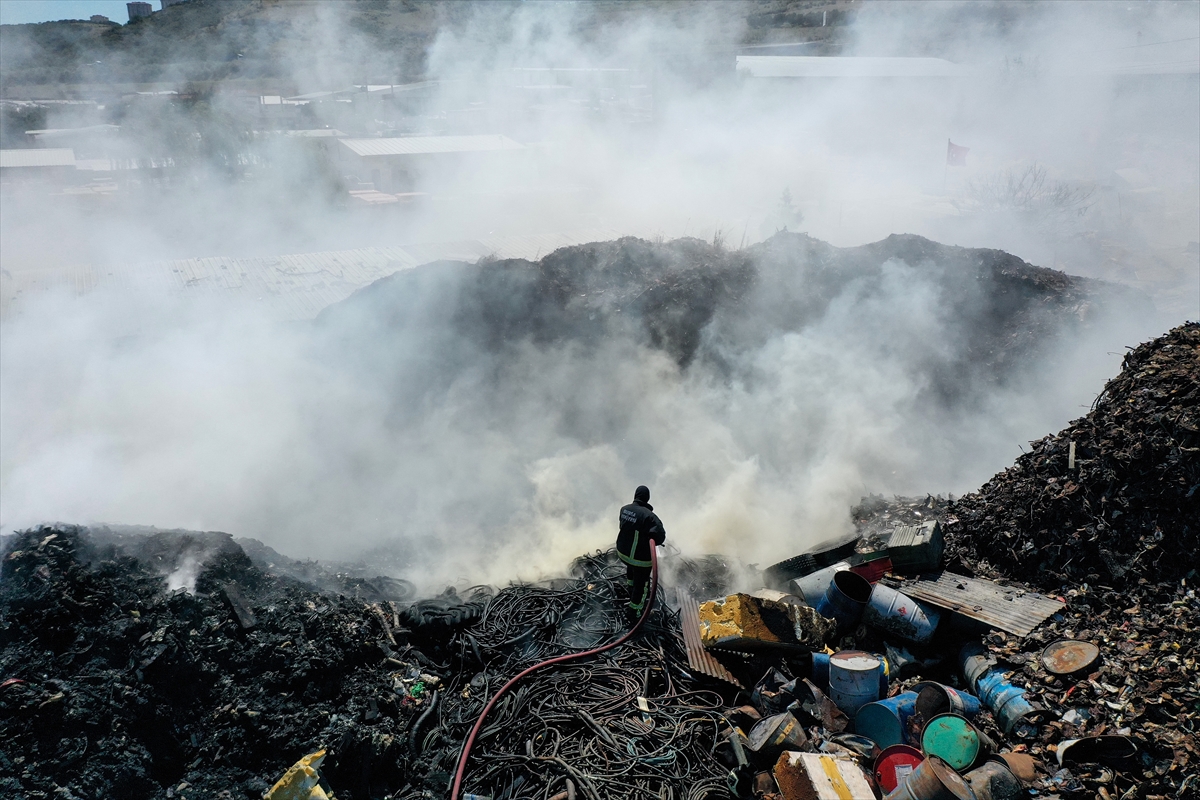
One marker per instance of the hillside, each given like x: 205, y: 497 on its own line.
x: 305, y: 45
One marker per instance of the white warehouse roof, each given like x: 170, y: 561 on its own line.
x: 847, y: 67
x: 421, y: 145
x: 38, y: 157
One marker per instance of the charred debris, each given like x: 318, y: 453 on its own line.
x: 1037, y: 638
x: 699, y: 302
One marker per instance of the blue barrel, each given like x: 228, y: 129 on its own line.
x: 933, y: 698
x: 853, y: 679
x: 812, y: 587
x: 820, y: 672
x: 898, y: 614
x: 845, y: 600
x: 886, y: 721
x: 974, y: 662
x: 1015, y: 714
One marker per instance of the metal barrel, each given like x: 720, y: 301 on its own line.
x: 974, y: 662
x: 773, y: 734
x: 820, y: 672
x: 895, y: 764
x: 885, y: 721
x: 933, y: 779
x: 898, y: 614
x: 934, y: 698
x: 956, y: 741
x: 1023, y: 765
x: 845, y: 600
x: 1013, y: 712
x: 812, y: 587
x: 993, y: 780
x: 853, y: 679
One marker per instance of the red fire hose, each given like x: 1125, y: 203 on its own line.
x: 466, y: 751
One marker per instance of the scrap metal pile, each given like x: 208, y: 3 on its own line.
x: 1114, y: 499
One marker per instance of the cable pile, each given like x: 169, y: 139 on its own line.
x: 625, y: 724
x: 582, y: 724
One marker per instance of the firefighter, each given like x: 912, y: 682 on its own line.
x: 640, y: 530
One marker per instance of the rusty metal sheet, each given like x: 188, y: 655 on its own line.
x: 699, y: 659
x: 1008, y: 608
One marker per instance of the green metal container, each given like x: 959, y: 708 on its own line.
x: 956, y: 741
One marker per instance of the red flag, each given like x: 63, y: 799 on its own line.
x: 956, y: 155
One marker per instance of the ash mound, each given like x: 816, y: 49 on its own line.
x: 1129, y: 510
x: 699, y: 302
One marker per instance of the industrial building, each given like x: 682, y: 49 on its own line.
x: 395, y: 165
x: 43, y: 165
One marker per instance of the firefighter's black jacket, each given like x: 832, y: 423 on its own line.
x: 639, y: 525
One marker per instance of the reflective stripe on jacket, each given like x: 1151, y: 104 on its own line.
x: 639, y: 527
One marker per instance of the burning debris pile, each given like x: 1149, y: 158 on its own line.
x: 1113, y: 499
x: 922, y: 658
x: 113, y: 685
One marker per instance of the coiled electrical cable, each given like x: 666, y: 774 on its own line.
x: 588, y: 790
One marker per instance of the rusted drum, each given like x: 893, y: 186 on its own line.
x: 774, y: 734
x: 934, y: 698
x: 933, y: 779
x: 952, y: 738
x: 1070, y: 656
x: 993, y: 780
x: 1023, y: 765
x: 895, y: 764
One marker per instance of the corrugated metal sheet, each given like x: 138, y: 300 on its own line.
x: 424, y: 145
x: 1007, y: 608
x: 699, y: 659
x: 38, y: 157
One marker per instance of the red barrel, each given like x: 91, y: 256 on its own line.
x: 895, y: 764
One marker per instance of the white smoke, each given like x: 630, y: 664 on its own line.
x: 125, y: 406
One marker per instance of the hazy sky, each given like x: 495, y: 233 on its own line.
x: 17, y: 12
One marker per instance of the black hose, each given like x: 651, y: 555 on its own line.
x: 414, y: 733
